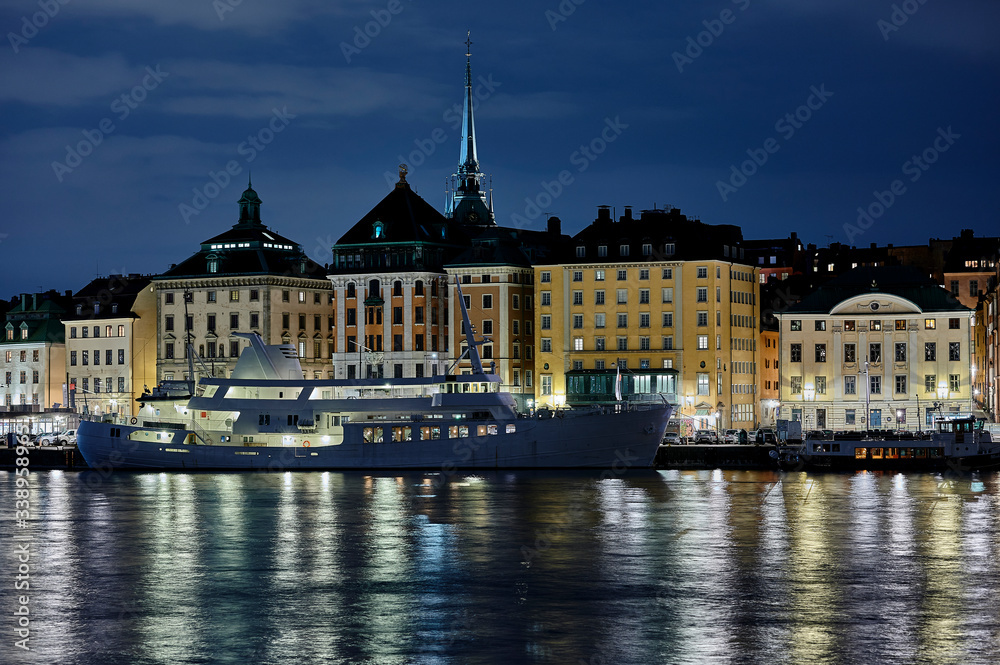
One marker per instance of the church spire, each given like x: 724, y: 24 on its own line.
x: 468, y: 164
x: 468, y: 203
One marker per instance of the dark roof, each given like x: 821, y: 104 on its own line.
x: 247, y: 261
x: 405, y: 218
x: 691, y: 238
x: 906, y: 282
x: 41, y: 313
x: 248, y: 248
x: 118, y: 290
x: 494, y: 246
x: 983, y: 251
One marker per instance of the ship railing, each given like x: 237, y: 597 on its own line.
x: 202, y: 435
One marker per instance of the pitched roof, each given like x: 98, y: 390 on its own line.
x: 120, y: 290
x: 405, y: 218
x: 907, y: 282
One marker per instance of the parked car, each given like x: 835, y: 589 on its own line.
x: 706, y: 436
x: 63, y: 438
x: 731, y: 436
x: 671, y: 439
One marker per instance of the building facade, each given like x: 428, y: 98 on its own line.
x: 111, y: 345
x: 769, y: 376
x: 33, y: 365
x: 33, y: 352
x: 393, y: 278
x: 876, y: 348
x: 390, y: 290
x: 667, y: 303
x: 247, y: 279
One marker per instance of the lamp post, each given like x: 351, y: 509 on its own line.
x: 919, y: 422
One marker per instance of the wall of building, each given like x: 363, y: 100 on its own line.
x: 922, y: 382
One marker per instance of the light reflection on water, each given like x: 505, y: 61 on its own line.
x: 679, y: 567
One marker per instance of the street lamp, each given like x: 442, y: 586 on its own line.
x: 919, y: 422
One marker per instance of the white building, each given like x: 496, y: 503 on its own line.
x: 876, y: 348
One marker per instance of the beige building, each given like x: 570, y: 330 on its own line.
x: 248, y: 279
x: 111, y: 344
x: 876, y: 348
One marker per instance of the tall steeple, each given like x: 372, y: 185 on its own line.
x: 469, y: 200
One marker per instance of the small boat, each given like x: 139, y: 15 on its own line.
x: 267, y: 417
x: 959, y: 444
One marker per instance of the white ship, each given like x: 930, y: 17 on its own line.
x: 267, y: 417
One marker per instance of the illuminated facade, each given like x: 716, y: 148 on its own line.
x: 390, y: 290
x: 393, y: 277
x: 111, y: 344
x: 33, y: 355
x: 247, y: 279
x: 498, y: 284
x: 886, y: 341
x: 667, y: 300
x: 769, y: 377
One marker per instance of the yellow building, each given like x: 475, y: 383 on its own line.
x: 665, y: 301
x: 886, y: 341
x: 111, y: 344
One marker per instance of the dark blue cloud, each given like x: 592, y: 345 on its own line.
x: 694, y: 87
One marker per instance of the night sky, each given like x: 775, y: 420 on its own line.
x: 639, y: 103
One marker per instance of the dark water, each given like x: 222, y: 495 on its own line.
x: 650, y: 567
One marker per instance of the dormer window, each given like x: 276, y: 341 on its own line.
x: 24, y: 331
x: 378, y: 230
x: 213, y: 263
x: 114, y: 308
x: 79, y: 309
x: 97, y: 308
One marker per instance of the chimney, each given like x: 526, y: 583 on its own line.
x: 604, y: 213
x: 628, y: 213
x: 554, y: 225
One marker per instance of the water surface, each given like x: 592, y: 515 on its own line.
x: 520, y: 567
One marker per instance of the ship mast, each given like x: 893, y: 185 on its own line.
x: 470, y: 337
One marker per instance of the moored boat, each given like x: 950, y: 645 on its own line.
x: 264, y: 417
x: 959, y: 444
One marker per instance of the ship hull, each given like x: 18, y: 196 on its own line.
x: 608, y: 440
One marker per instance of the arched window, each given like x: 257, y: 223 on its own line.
x: 351, y: 293
x: 418, y: 288
x: 373, y: 289
x: 397, y: 288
